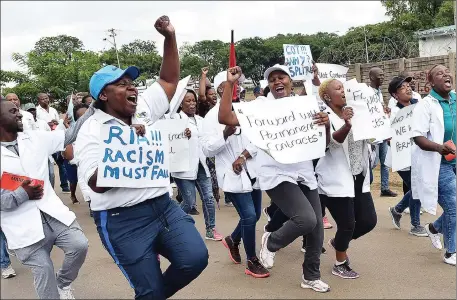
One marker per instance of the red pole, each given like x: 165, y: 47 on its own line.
x: 232, y: 63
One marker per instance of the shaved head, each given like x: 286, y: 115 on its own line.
x: 376, y: 75
x: 43, y: 100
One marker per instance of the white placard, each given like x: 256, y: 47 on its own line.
x: 369, y: 120
x: 132, y: 161
x: 181, y: 91
x: 284, y: 128
x: 402, y: 141
x: 299, y: 60
x: 179, y: 144
x: 328, y: 71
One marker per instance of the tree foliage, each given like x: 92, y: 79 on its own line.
x: 60, y: 65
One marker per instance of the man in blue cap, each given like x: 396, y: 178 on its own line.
x: 137, y: 224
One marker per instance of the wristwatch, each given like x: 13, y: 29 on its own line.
x: 242, y: 156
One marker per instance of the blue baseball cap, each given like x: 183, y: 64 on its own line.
x: 108, y: 75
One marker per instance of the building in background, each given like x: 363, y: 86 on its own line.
x: 437, y: 41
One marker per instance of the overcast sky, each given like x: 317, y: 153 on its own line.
x: 24, y: 23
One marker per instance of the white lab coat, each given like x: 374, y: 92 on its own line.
x: 226, y: 152
x: 335, y: 178
x: 23, y: 226
x: 425, y: 165
x: 27, y: 120
x: 195, y: 148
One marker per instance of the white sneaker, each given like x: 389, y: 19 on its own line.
x: 265, y: 212
x: 66, y: 292
x: 267, y: 258
x: 406, y: 211
x: 450, y: 260
x: 265, y: 228
x: 8, y: 272
x: 435, y: 238
x: 316, y: 285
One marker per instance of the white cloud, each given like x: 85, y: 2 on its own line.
x: 24, y: 23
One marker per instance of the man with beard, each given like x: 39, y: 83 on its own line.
x: 33, y: 218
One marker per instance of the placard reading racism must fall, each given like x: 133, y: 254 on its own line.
x: 369, y: 120
x: 299, y: 60
x: 284, y: 128
x: 179, y: 144
x: 132, y: 161
x: 402, y: 141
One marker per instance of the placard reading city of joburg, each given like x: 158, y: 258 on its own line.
x: 132, y: 161
x: 299, y: 60
x: 369, y: 120
x: 402, y: 141
x: 179, y: 144
x: 284, y: 128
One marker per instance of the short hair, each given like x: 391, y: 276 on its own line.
x: 324, y: 87
x: 429, y: 73
x: 78, y: 107
x: 83, y: 100
x: 372, y: 70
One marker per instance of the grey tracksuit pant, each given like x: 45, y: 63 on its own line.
x: 303, y: 209
x: 37, y: 256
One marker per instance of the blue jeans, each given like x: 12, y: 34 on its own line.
x: 249, y: 208
x: 62, y: 171
x: 408, y: 201
x: 384, y: 170
x: 4, y: 257
x: 446, y: 199
x: 135, y: 235
x: 205, y: 189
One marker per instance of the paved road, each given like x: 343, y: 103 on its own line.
x: 392, y: 264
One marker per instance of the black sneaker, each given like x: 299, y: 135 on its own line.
x: 388, y: 193
x: 234, y: 249
x: 256, y: 269
x: 194, y: 212
x: 396, y: 217
x: 344, y: 271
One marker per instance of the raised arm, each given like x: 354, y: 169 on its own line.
x: 340, y: 135
x: 169, y: 71
x: 226, y: 115
x: 202, y: 85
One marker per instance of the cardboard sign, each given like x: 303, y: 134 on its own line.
x: 369, y: 120
x: 284, y: 128
x: 299, y: 60
x: 179, y: 153
x: 11, y: 182
x: 181, y: 91
x: 132, y: 161
x: 402, y: 141
x: 328, y: 71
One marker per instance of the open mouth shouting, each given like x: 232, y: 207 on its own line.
x: 448, y: 82
x: 280, y: 91
x: 132, y: 99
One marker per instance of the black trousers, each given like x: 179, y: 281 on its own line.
x: 354, y: 217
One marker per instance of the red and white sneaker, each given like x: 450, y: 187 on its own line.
x: 212, y: 234
x: 327, y: 224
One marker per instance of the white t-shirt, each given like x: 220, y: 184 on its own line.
x: 46, y: 116
x: 87, y: 151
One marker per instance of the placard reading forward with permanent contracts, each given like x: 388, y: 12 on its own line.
x: 284, y: 128
x: 132, y: 161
